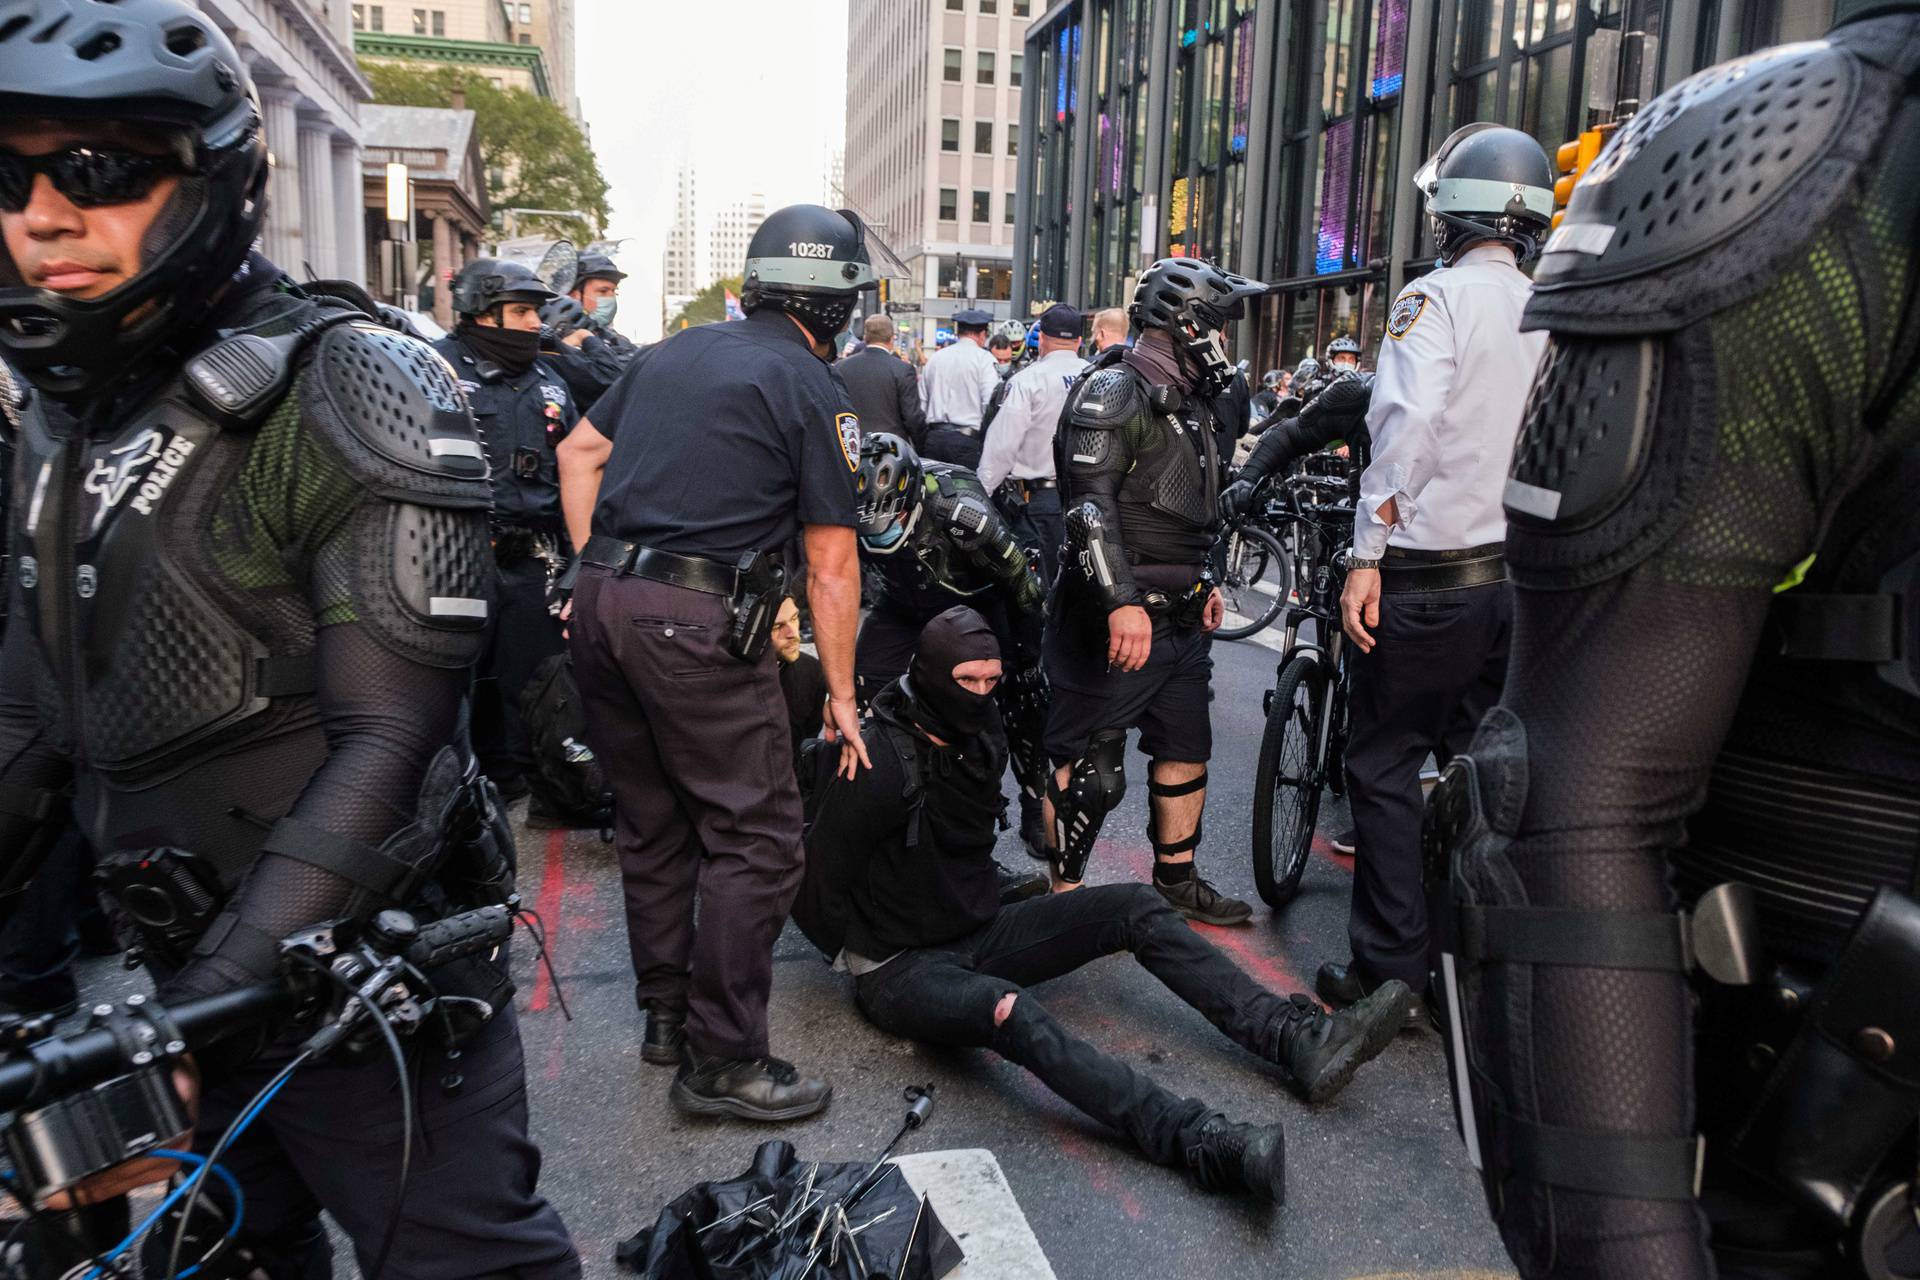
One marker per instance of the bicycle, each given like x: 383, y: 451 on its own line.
x: 1303, y: 748
x: 1250, y: 553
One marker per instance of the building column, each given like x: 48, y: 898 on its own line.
x: 350, y: 220
x: 1426, y: 58
x: 445, y: 266
x: 318, y: 210
x: 283, y: 240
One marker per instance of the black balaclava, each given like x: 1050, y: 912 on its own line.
x: 1158, y: 360
x: 514, y: 350
x: 940, y: 705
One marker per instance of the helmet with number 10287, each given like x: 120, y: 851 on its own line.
x: 810, y: 262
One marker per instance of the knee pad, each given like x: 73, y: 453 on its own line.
x: 1096, y: 783
x: 1169, y: 790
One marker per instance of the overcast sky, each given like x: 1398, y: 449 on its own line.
x: 752, y: 92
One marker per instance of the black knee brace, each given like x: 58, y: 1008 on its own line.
x: 1095, y: 784
x: 1153, y: 821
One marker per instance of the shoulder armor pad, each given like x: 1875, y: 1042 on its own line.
x: 1763, y: 148
x: 394, y: 410
x: 1105, y: 399
x: 959, y: 506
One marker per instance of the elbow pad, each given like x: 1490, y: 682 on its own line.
x: 1100, y: 557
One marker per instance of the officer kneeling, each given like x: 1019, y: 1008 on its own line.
x: 902, y: 887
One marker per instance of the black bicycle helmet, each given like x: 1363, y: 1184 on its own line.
x: 886, y: 488
x: 1344, y: 345
x: 162, y: 65
x: 810, y: 262
x: 486, y: 283
x: 1194, y: 301
x: 1488, y: 182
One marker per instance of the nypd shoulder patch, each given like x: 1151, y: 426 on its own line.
x: 848, y: 425
x: 1406, y: 312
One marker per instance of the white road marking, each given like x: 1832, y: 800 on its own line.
x: 978, y: 1208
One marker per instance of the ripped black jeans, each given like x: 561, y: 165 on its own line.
x: 947, y: 995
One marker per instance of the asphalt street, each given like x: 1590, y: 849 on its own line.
x: 1378, y: 1184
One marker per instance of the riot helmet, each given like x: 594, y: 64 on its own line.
x: 487, y: 283
x: 886, y: 492
x: 1488, y: 182
x: 171, y: 100
x: 596, y: 266
x: 810, y: 262
x: 1271, y: 379
x: 1193, y: 301
x: 1344, y: 345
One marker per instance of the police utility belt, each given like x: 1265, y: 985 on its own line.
x: 1412, y: 569
x: 752, y: 586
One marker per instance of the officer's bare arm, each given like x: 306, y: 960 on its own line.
x: 582, y: 456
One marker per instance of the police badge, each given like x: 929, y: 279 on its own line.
x: 848, y: 425
x: 1406, y: 310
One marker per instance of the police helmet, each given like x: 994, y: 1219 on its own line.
x: 1271, y: 379
x: 886, y: 492
x: 810, y: 262
x: 1193, y: 300
x: 169, y: 74
x: 486, y: 283
x: 596, y: 266
x: 1488, y: 182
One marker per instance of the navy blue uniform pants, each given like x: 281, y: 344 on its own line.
x: 523, y: 634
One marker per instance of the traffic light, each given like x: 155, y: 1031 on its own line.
x: 1572, y: 160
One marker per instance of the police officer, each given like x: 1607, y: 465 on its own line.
x: 955, y: 388
x: 577, y: 340
x: 938, y: 541
x: 714, y: 448
x: 523, y: 409
x: 246, y: 600
x: 596, y: 287
x: 1016, y: 465
x: 1714, y: 680
x: 1426, y: 603
x: 1142, y: 453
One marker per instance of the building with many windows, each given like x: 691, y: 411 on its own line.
x: 486, y: 36
x: 1280, y: 138
x: 934, y: 89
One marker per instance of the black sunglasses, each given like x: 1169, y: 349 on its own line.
x: 88, y: 176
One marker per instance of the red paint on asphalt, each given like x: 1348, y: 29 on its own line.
x: 1079, y: 1150
x: 553, y: 887
x: 1323, y: 845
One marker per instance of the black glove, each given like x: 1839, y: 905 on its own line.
x: 1236, y: 500
x: 1027, y: 690
x: 562, y: 315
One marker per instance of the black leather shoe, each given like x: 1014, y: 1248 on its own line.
x: 666, y: 1037
x: 1197, y: 899
x: 1342, y: 984
x: 751, y: 1088
x: 1322, y: 1050
x: 1246, y: 1159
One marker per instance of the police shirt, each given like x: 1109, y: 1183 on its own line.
x: 1020, y: 441
x: 1452, y: 383
x: 726, y: 439
x: 957, y: 383
x: 521, y: 418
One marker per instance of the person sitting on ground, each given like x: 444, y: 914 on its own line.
x: 803, y: 682
x: 901, y: 887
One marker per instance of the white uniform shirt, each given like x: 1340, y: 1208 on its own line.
x: 1020, y: 441
x: 1452, y: 384
x: 957, y: 382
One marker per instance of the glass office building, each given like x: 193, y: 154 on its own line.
x: 1280, y: 138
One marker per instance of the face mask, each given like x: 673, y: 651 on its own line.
x: 514, y: 350
x: 604, y: 311
x: 941, y: 705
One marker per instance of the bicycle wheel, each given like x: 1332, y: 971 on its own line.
x: 1286, y: 786
x: 1255, y: 584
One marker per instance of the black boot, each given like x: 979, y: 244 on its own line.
x: 1250, y: 1159
x: 751, y: 1088
x: 1033, y: 827
x: 1322, y: 1050
x: 666, y: 1036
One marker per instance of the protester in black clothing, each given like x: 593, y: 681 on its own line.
x: 884, y: 389
x: 1338, y: 413
x: 803, y: 681
x: 902, y: 886
x: 231, y: 645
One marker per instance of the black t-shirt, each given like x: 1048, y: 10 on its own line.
x: 803, y: 682
x: 726, y: 439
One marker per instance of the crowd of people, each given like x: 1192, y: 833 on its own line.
x: 285, y: 583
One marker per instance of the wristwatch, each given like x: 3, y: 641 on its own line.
x: 1355, y: 562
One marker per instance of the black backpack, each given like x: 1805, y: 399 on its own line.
x: 567, y: 774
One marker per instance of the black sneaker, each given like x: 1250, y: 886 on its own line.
x: 1322, y: 1050
x: 1346, y: 842
x: 666, y: 1037
x: 1247, y: 1159
x: 765, y: 1089
x: 1033, y: 830
x: 1018, y: 886
x: 1197, y: 899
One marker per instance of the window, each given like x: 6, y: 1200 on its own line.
x: 983, y: 69
x: 439, y: 22
x: 1022, y: 8
x: 949, y: 277
x: 989, y: 6
x: 1009, y: 217
x: 526, y: 37
x: 992, y: 282
x: 983, y: 137
x: 1013, y: 139
x: 983, y: 206
x: 526, y: 13
x: 949, y: 135
x: 419, y: 22
x: 1016, y: 65
x: 956, y: 5
x: 950, y: 70
x: 377, y: 17
x: 949, y: 204
x: 359, y: 17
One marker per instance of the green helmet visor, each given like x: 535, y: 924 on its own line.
x: 811, y: 273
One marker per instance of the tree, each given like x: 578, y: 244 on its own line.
x: 536, y: 156
x: 708, y: 305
